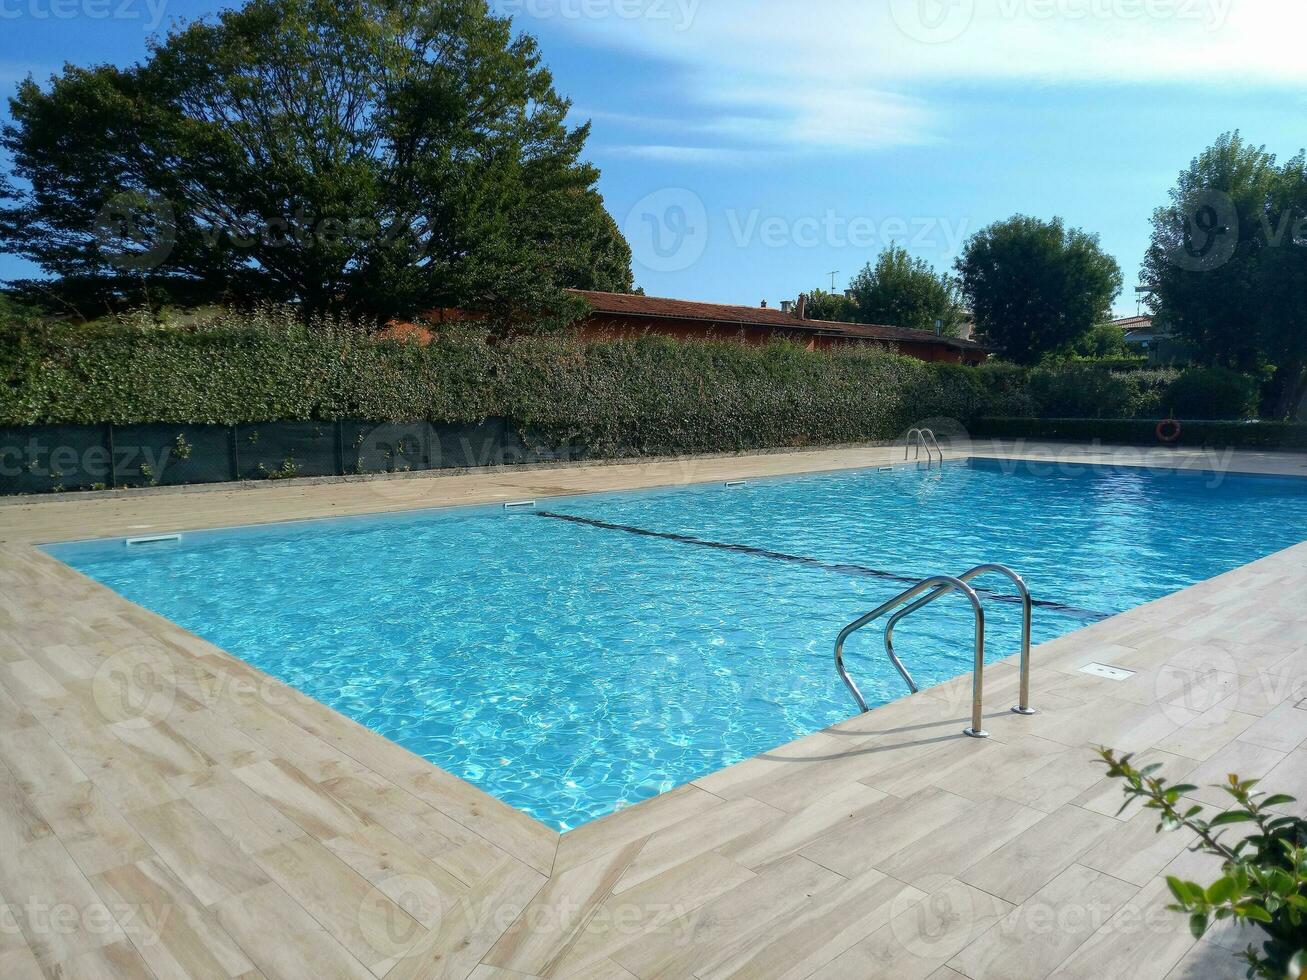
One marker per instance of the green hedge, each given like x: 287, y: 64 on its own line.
x: 1213, y: 393
x: 649, y: 395
x: 1143, y: 432
x: 1075, y: 389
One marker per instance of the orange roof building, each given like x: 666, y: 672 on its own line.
x: 616, y: 315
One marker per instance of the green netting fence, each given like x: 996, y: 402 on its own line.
x: 53, y: 458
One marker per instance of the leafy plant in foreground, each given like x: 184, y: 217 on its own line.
x: 1264, y: 875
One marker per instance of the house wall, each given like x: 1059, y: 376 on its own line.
x: 603, y: 326
x: 933, y: 353
x: 609, y: 326
x: 606, y: 326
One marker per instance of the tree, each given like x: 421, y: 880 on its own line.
x: 834, y: 307
x: 1106, y: 340
x: 1227, y: 265
x: 1280, y: 293
x: 905, y: 292
x: 371, y: 157
x: 1037, y: 287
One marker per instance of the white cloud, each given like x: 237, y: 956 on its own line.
x: 818, y: 115
x: 864, y: 74
x: 670, y: 153
x: 888, y: 41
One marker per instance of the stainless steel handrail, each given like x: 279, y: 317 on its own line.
x: 907, y: 445
x: 931, y: 446
x: 1026, y: 610
x: 934, y: 443
x: 943, y: 584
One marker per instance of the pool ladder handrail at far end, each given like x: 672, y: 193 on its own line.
x: 925, y: 439
x: 937, y: 587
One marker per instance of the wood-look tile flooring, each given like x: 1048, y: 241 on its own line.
x: 168, y: 811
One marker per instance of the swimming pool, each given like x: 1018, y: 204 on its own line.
x: 591, y: 652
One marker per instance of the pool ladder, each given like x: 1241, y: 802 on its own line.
x: 923, y: 439
x: 935, y: 588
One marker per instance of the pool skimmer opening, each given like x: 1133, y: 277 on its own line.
x: 152, y: 539
x: 1106, y: 672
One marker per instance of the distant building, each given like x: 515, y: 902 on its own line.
x: 1138, y: 330
x: 616, y: 315
x: 1149, y: 336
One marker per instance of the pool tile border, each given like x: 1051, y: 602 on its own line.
x: 293, y: 838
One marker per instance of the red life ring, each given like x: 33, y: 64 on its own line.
x: 1169, y: 431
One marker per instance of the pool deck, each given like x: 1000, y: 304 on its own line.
x: 168, y: 811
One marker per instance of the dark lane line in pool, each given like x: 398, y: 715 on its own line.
x: 839, y: 568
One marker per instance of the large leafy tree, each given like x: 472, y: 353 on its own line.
x: 1037, y: 287
x: 370, y: 156
x: 834, y: 307
x: 1227, y: 264
x: 901, y: 291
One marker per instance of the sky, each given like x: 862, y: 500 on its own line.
x: 755, y: 149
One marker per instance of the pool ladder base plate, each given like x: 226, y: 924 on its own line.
x: 973, y: 733
x: 1018, y: 710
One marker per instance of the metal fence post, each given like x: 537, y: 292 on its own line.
x: 113, y: 456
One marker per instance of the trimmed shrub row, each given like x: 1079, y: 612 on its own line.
x: 650, y: 395
x: 1143, y: 432
x: 1082, y: 390
x: 1213, y: 393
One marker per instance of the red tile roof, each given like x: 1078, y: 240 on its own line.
x: 626, y: 304
x: 1133, y: 322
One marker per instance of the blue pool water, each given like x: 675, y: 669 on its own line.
x: 600, y: 650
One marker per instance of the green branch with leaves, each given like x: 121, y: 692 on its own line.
x: 1264, y: 874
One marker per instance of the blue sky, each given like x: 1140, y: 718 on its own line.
x: 751, y: 147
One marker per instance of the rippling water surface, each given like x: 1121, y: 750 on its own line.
x: 578, y: 660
